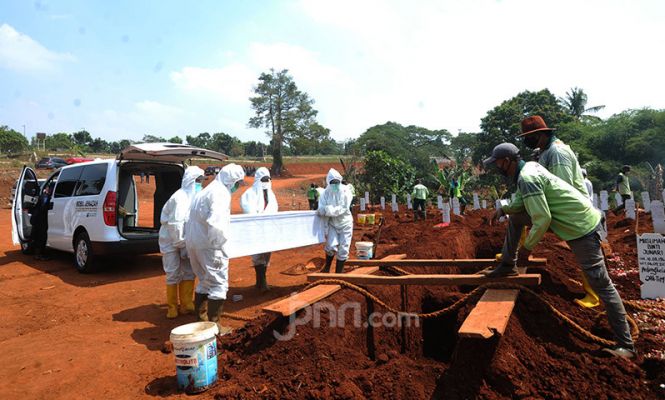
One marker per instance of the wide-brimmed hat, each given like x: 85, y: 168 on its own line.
x: 533, y: 124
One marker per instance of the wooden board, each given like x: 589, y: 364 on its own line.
x: 426, y: 279
x: 491, y: 314
x: 481, y: 262
x: 297, y: 302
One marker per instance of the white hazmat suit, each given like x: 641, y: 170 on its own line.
x: 334, y: 204
x: 179, y: 275
x: 260, y: 199
x: 207, y: 234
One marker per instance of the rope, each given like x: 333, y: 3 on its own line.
x: 655, y: 311
x: 474, y: 295
x: 237, y: 317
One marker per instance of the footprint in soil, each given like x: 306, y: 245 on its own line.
x: 162, y: 387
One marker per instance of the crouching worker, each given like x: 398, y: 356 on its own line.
x: 260, y: 199
x: 554, y: 204
x: 179, y: 275
x: 335, y: 204
x: 207, y: 234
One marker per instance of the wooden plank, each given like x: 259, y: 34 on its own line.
x: 491, y: 314
x: 480, y: 262
x: 427, y: 279
x: 297, y: 302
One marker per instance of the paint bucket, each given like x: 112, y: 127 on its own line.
x: 195, y: 349
x: 364, y: 250
x: 361, y: 219
x: 369, y: 219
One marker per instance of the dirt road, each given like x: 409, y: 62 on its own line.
x: 65, y: 335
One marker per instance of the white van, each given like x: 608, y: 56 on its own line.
x: 94, y: 207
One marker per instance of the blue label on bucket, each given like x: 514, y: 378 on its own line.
x: 199, y: 371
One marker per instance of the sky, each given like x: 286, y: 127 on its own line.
x: 123, y: 69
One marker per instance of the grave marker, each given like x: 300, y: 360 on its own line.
x: 476, y: 201
x: 445, y: 210
x: 439, y: 202
x: 651, y: 257
x: 408, y: 202
x: 618, y: 199
x: 362, y: 204
x: 394, y: 203
x: 383, y: 203
x: 456, y: 208
x: 646, y: 201
x: 658, y: 216
x: 604, y: 200
x: 630, y: 208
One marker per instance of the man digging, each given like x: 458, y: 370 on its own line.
x: 553, y: 204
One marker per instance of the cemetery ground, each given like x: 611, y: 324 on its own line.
x: 65, y: 335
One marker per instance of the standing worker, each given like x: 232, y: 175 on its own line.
x: 334, y: 204
x: 420, y: 194
x: 553, y: 204
x: 455, y: 191
x: 260, y: 199
x: 623, y: 187
x: 175, y: 213
x: 312, y: 196
x: 559, y: 160
x: 207, y: 233
x: 588, y: 185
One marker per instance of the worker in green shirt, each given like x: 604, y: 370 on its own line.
x: 554, y: 204
x: 313, y: 197
x: 623, y: 187
x: 560, y: 160
x: 456, y: 187
x: 420, y: 194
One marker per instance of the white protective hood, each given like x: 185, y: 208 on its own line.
x: 253, y: 202
x: 230, y: 174
x: 189, y: 180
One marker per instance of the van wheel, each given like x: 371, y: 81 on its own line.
x: 26, y: 248
x: 83, y: 253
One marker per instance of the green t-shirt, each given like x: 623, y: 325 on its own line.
x: 553, y: 204
x: 420, y: 192
x: 623, y: 182
x: 560, y: 160
x: 312, y: 194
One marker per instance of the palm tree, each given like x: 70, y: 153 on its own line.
x: 575, y: 104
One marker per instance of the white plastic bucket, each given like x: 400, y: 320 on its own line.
x: 364, y: 250
x: 195, y: 349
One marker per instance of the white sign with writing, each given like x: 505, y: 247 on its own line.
x: 476, y: 201
x: 484, y: 204
x: 439, y: 202
x: 646, y: 201
x: 456, y: 209
x: 445, y: 210
x: 630, y: 208
x: 658, y: 216
x: 604, y: 200
x: 362, y: 204
x: 393, y: 203
x: 651, y: 257
x: 408, y: 202
x: 383, y: 203
x: 618, y: 199
x: 595, y: 200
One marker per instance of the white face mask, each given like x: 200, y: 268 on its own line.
x: 266, y: 185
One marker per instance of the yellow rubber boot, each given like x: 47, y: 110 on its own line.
x: 591, y: 299
x: 186, y: 291
x: 172, y: 301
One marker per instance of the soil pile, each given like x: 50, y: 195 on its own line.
x: 538, y: 357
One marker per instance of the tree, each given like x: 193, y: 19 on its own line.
x: 384, y: 174
x: 12, y: 142
x: 315, y: 139
x: 153, y: 139
x: 117, y: 147
x: 463, y: 145
x: 226, y: 144
x: 201, y: 140
x: 175, y: 139
x: 99, y: 146
x: 82, y: 138
x: 59, y: 141
x: 503, y: 122
x: 282, y: 109
x: 254, y: 149
x: 575, y: 104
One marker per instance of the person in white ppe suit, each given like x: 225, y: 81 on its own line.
x: 334, y: 204
x: 207, y: 234
x: 175, y: 213
x: 260, y: 199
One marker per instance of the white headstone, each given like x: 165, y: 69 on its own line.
x: 366, y: 197
x: 445, y: 210
x: 408, y: 202
x: 646, y: 201
x: 383, y: 203
x: 651, y: 257
x: 456, y: 209
x: 362, y: 204
x: 595, y: 201
x: 439, y: 202
x: 604, y: 200
x: 658, y: 216
x: 476, y: 201
x: 484, y: 204
x: 618, y: 199
x: 630, y: 208
x: 393, y: 203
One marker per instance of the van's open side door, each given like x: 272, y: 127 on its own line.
x: 27, y: 195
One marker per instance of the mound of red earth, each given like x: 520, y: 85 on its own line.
x: 538, y: 357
